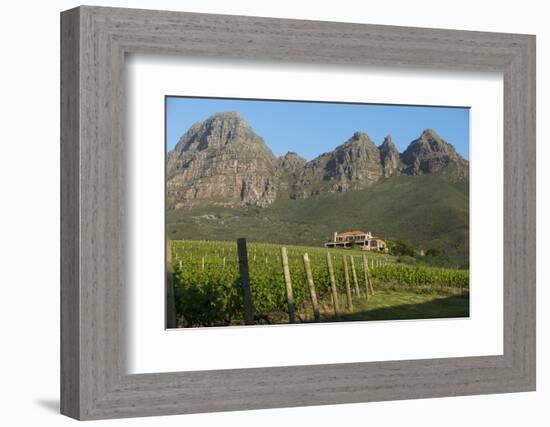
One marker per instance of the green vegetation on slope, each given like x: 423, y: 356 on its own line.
x: 427, y: 211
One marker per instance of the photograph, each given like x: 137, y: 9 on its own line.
x: 309, y: 214
x: 284, y: 212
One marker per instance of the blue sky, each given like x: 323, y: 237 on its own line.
x: 312, y: 128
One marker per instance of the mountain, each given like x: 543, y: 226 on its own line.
x: 430, y: 153
x: 221, y: 161
x: 224, y: 181
x: 353, y: 165
x: 292, y: 163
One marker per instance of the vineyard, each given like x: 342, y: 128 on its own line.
x: 208, y: 291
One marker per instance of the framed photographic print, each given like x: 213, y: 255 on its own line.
x: 262, y: 213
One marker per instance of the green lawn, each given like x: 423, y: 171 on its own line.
x: 386, y: 305
x: 403, y: 305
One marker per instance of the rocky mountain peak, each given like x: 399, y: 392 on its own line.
x: 357, y: 154
x: 231, y: 120
x: 226, y: 115
x: 388, y: 144
x: 357, y: 139
x: 358, y: 135
x: 218, y: 130
x: 429, y: 132
x: 430, y: 153
x: 352, y: 165
x: 291, y: 162
x: 429, y: 142
x: 221, y: 160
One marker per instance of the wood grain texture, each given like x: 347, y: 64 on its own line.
x: 70, y: 315
x: 242, y: 255
x: 288, y: 286
x: 94, y: 240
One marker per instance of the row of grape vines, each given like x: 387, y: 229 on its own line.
x: 207, y: 281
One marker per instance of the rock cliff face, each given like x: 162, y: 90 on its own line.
x: 223, y: 162
x: 430, y: 153
x: 352, y: 166
x: 291, y: 163
x: 389, y: 157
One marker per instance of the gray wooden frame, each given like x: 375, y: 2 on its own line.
x: 94, y: 41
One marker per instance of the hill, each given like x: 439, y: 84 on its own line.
x: 427, y: 211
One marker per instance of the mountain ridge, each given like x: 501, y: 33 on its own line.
x: 223, y: 161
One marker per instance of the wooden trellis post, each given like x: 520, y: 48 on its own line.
x: 288, y: 284
x: 245, y: 281
x: 354, y: 275
x: 370, y: 284
x: 333, y: 286
x: 311, y: 286
x: 348, y: 287
x: 366, y: 272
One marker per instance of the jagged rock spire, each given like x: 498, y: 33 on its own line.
x: 389, y: 157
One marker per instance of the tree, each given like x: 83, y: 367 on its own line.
x: 401, y: 248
